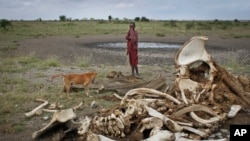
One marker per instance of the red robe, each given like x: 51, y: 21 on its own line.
x: 132, y: 47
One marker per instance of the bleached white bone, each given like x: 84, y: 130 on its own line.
x: 60, y: 116
x: 193, y: 51
x: 151, y: 122
x: 33, y: 112
x: 207, y: 121
x: 174, y: 126
x: 195, y: 107
x: 163, y: 135
x: 193, y: 130
x: 148, y: 90
x: 180, y: 136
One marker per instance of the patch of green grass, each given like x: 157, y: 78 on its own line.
x: 13, y: 84
x: 50, y: 62
x: 19, y: 127
x: 160, y: 35
x: 82, y: 61
x: 27, y: 60
x: 18, y: 64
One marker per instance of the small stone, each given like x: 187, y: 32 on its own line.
x: 94, y: 104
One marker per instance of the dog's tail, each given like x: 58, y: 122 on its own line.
x: 55, y: 76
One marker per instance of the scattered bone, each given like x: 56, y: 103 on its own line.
x: 34, y: 111
x: 234, y: 109
x: 117, y: 96
x: 150, y: 123
x: 193, y: 108
x: 77, y: 106
x: 163, y: 135
x: 207, y: 121
x: 191, y: 115
x: 53, y: 105
x: 59, y: 116
x: 142, y: 91
x: 94, y: 104
x: 183, y: 137
x: 198, y: 132
x: 172, y: 125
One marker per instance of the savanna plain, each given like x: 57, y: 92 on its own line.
x: 32, y: 51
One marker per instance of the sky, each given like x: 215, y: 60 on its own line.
x: 129, y: 9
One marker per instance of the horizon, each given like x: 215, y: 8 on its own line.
x: 129, y: 9
x: 126, y: 19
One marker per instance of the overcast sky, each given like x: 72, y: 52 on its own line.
x: 101, y: 9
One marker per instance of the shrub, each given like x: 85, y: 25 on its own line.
x: 137, y: 19
x: 5, y: 23
x: 62, y: 18
x: 160, y: 34
x: 51, y: 62
x: 144, y: 19
x: 189, y: 25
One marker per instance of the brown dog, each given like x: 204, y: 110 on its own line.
x: 69, y: 79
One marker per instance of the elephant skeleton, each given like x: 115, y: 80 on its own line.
x: 168, y: 117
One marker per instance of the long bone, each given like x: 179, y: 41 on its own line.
x: 195, y: 107
x: 34, y: 111
x: 205, y: 121
x: 193, y: 130
x: 60, y: 116
x: 172, y: 125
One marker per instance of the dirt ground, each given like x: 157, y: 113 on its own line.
x: 70, y: 50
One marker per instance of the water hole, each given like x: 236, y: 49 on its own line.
x: 140, y: 45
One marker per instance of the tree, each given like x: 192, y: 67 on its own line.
x: 39, y: 19
x: 137, y: 19
x: 144, y: 19
x: 236, y: 21
x: 110, y: 18
x: 62, y: 18
x: 5, y: 23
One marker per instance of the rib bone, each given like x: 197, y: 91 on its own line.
x: 193, y: 108
x: 142, y: 91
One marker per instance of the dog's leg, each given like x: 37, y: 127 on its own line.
x: 86, y: 87
x: 67, y: 87
x: 87, y: 90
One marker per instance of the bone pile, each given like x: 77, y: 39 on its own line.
x: 201, y: 99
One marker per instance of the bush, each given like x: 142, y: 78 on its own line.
x: 189, y: 25
x: 5, y: 23
x: 160, y: 35
x: 204, y: 26
x: 137, y: 19
x: 62, y: 18
x: 144, y: 19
